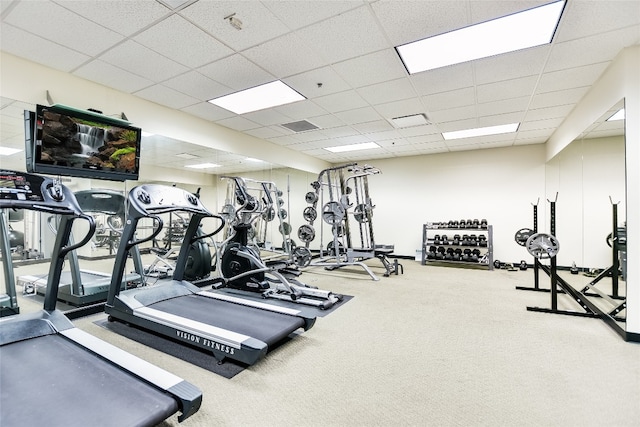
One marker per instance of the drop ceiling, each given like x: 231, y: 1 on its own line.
x: 339, y: 54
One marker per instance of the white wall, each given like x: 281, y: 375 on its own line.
x: 496, y: 184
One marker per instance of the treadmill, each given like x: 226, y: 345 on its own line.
x: 52, y: 373
x: 83, y: 287
x: 229, y: 327
x: 8, y: 299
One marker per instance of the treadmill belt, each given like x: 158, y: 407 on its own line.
x: 267, y: 326
x: 51, y: 381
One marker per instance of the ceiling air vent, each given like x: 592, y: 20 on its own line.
x: 409, y: 121
x: 300, y: 126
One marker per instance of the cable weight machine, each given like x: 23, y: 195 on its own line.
x: 350, y: 222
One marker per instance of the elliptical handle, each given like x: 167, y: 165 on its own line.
x: 219, y: 229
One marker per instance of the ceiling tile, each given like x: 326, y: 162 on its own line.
x: 316, y: 83
x: 285, y: 56
x: 407, y: 21
x: 500, y: 119
x: 122, y: 16
x: 342, y: 101
x: 301, y: 110
x: 142, y: 61
x: 453, y: 114
x: 596, y: 17
x: 591, y: 50
x: 548, y: 113
x: 374, y: 126
x: 341, y: 37
x: 37, y: 49
x: 267, y: 117
x: 573, y: 77
x: 512, y: 65
x: 238, y: 123
x: 519, y: 104
x: 560, y: 97
x: 506, y: 89
x: 171, y: 37
x: 540, y: 124
x: 370, y: 69
x: 297, y: 14
x: 266, y: 132
x: 444, y: 79
x: 197, y: 86
x: 61, y: 26
x: 208, y: 111
x: 451, y: 99
x: 487, y: 10
x: 424, y: 130
x: 400, y: 108
x: 236, y: 72
x: 258, y: 23
x: 284, y: 140
x: 358, y: 115
x: 163, y: 95
x: 340, y: 132
x: 326, y: 121
x: 381, y: 93
x: 110, y: 76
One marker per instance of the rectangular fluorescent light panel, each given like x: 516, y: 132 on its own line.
x: 353, y: 147
x: 6, y: 151
x: 258, y: 98
x: 617, y: 116
x: 203, y: 166
x: 490, y: 130
x: 520, y: 30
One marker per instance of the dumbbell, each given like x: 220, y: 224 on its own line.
x: 440, y: 253
x: 465, y: 240
x: 476, y: 223
x: 475, y: 255
x: 457, y: 254
x: 437, y: 240
x: 462, y: 224
x: 482, y: 240
x: 445, y: 239
x: 483, y: 223
x: 449, y: 254
x: 473, y: 240
x: 456, y: 239
x: 466, y: 254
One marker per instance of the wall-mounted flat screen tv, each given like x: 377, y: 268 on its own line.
x: 80, y: 143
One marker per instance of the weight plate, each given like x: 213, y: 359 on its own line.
x: 285, y: 228
x: 292, y: 244
x: 543, y: 246
x: 309, y: 214
x: 522, y: 235
x: 228, y: 212
x: 331, y: 250
x: 333, y: 213
x: 306, y: 233
x: 338, y: 229
x: 301, y: 256
x: 283, y: 213
x: 269, y: 214
x: 363, y: 213
x: 311, y: 197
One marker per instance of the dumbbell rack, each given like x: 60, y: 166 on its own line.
x: 433, y: 233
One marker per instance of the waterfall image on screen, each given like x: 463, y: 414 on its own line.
x: 73, y: 142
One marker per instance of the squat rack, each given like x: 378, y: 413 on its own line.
x: 559, y: 285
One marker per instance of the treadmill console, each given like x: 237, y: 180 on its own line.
x: 155, y: 198
x: 29, y: 191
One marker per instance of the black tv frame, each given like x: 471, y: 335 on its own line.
x: 33, y: 145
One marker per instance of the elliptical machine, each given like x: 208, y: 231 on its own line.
x: 242, y: 268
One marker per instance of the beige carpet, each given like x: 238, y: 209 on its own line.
x: 433, y: 347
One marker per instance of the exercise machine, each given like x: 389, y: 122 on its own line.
x: 352, y: 240
x: 52, y: 373
x: 227, y: 326
x: 546, y: 246
x: 8, y: 299
x: 241, y: 267
x: 81, y: 287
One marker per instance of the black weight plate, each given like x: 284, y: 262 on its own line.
x: 522, y: 235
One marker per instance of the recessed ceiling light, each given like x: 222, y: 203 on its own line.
x: 6, y: 151
x: 490, y: 130
x: 186, y: 156
x: 619, y: 115
x: 532, y: 27
x: 258, y: 98
x: 251, y: 159
x: 409, y: 121
x: 203, y: 166
x: 353, y: 147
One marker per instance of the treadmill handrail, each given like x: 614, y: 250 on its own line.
x: 152, y: 236
x: 92, y: 229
